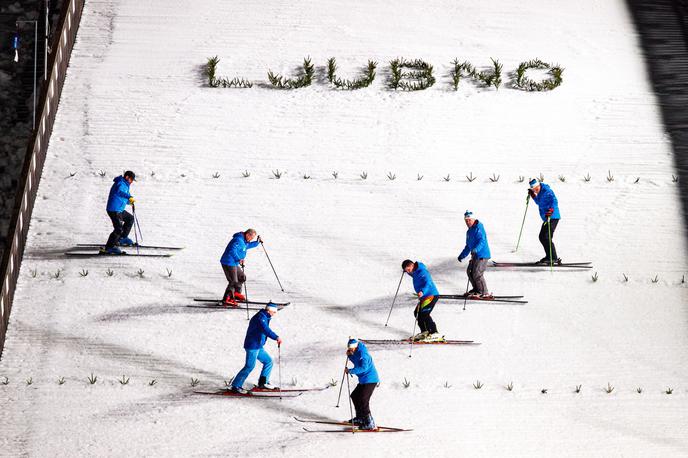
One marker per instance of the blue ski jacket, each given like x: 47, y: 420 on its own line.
x: 476, y: 242
x: 422, y: 281
x: 236, y: 250
x: 119, y: 195
x: 546, y: 200
x: 258, y: 331
x: 364, y: 368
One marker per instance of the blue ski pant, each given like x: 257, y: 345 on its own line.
x: 251, y: 357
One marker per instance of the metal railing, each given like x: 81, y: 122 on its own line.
x: 62, y: 44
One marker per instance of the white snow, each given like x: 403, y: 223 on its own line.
x: 135, y: 99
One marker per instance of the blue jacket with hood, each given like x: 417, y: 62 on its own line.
x: 119, y: 195
x: 546, y: 200
x: 476, y: 242
x: 236, y: 250
x: 422, y: 281
x: 258, y: 331
x: 364, y: 368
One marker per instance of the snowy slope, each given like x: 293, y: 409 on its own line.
x: 135, y: 99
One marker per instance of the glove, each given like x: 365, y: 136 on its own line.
x: 131, y: 201
x: 260, y: 240
x: 549, y: 212
x: 460, y: 259
x: 531, y: 193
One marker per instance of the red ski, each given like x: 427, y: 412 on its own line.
x: 408, y: 342
x: 347, y: 424
x: 255, y: 389
x: 252, y: 394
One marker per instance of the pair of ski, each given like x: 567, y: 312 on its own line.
x: 241, y: 305
x: 82, y: 250
x: 505, y: 299
x: 256, y: 392
x: 349, y: 428
x: 407, y: 341
x: 568, y: 265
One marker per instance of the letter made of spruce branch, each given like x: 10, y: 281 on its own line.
x: 553, y: 70
x: 493, y: 78
x: 358, y: 83
x: 304, y: 80
x: 214, y: 81
x: 418, y: 77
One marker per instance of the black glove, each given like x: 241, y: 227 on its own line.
x: 531, y: 193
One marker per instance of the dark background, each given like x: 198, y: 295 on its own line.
x: 16, y: 93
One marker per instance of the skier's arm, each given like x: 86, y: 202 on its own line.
x: 267, y: 331
x: 364, y: 366
x: 252, y: 244
x: 234, y: 251
x: 480, y: 242
x: 423, y: 283
x: 465, y: 252
x: 120, y: 192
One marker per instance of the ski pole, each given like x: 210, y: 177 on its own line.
x: 341, y: 385
x: 279, y: 367
x: 136, y: 237
x: 243, y: 270
x: 523, y: 223
x: 466, y: 293
x: 136, y: 220
x: 413, y: 332
x: 395, y: 297
x: 549, y: 229
x: 273, y: 267
x: 351, y: 410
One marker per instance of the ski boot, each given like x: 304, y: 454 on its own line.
x: 112, y: 250
x: 263, y: 384
x: 435, y: 337
x: 229, y: 302
x: 486, y: 297
x: 238, y: 390
x: 239, y: 297
x: 356, y: 421
x: 126, y: 241
x: 420, y: 336
x: 545, y: 261
x: 368, y: 424
x: 471, y: 292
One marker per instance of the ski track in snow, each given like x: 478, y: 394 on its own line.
x: 134, y: 99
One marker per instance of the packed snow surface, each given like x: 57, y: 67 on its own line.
x: 135, y: 98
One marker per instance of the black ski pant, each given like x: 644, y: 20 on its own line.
x: 545, y: 238
x: 122, y: 223
x: 361, y: 398
x: 235, y: 279
x: 425, y: 321
x: 476, y: 270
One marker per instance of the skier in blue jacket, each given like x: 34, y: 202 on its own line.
x: 122, y: 221
x: 427, y: 298
x: 256, y: 335
x: 476, y: 245
x: 364, y: 369
x: 548, y: 206
x: 232, y: 259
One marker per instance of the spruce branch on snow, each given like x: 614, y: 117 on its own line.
x: 418, y: 78
x: 461, y: 69
x: 214, y: 81
x: 280, y: 82
x: 553, y: 70
x: 359, y: 83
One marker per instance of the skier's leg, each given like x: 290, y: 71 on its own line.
x: 544, y: 238
x: 228, y: 275
x: 117, y: 224
x: 233, y: 279
x: 553, y: 223
x: 364, y: 398
x: 265, y: 358
x: 245, y: 371
x: 419, y: 318
x: 128, y: 219
x: 356, y: 399
x: 479, y: 275
x: 241, y: 279
x: 469, y: 272
x: 430, y: 325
